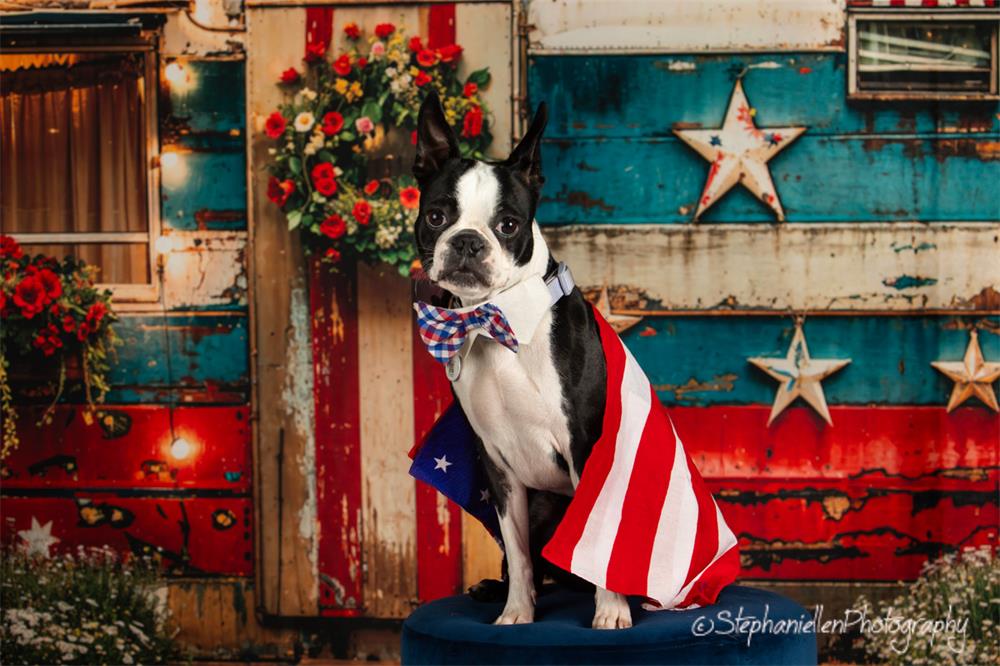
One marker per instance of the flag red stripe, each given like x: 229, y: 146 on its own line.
x: 722, y: 572
x: 633, y: 549
x: 707, y: 544
x: 559, y: 549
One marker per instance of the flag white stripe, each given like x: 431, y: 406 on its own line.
x: 726, y: 541
x: 676, y: 532
x: 593, y: 551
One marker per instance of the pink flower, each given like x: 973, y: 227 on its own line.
x: 364, y: 125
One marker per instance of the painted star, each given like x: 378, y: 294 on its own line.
x: 800, y: 375
x: 484, y: 495
x: 740, y: 155
x: 620, y: 323
x: 442, y: 464
x: 973, y: 376
x: 38, y: 539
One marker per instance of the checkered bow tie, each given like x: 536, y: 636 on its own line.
x: 444, y: 331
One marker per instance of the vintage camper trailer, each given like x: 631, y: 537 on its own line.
x: 261, y: 408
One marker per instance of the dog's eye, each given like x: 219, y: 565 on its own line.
x: 507, y: 226
x: 435, y: 218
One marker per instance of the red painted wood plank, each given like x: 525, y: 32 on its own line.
x: 441, y: 25
x: 906, y: 442
x: 129, y: 446
x: 191, y: 536
x: 334, y: 307
x: 439, y: 521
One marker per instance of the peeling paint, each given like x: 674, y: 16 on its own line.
x: 677, y: 65
x: 444, y: 522
x: 767, y: 64
x: 920, y: 247
x: 909, y: 282
x: 719, y: 383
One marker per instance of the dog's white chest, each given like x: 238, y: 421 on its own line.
x: 514, y: 403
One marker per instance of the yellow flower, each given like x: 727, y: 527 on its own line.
x: 354, y: 92
x: 396, y: 39
x: 341, y: 86
x: 414, y: 71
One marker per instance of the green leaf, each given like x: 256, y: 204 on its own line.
x: 295, y: 165
x: 404, y: 270
x: 325, y: 156
x: 481, y: 77
x: 294, y: 219
x: 372, y: 110
x: 348, y: 136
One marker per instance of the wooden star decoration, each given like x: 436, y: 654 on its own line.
x: 973, y: 376
x: 620, y: 323
x: 800, y: 376
x: 739, y: 152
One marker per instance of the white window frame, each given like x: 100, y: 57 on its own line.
x: 125, y: 295
x: 927, y: 15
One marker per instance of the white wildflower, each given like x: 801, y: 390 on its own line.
x: 304, y: 122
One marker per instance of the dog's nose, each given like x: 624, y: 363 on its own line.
x: 468, y: 244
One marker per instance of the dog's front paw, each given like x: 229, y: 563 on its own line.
x: 519, y: 614
x: 612, y: 611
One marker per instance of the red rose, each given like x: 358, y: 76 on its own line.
x: 409, y: 197
x: 275, y: 125
x: 278, y: 191
x: 332, y: 254
x: 352, y: 30
x: 68, y: 323
x: 362, y: 212
x: 290, y: 75
x: 342, y: 65
x: 383, y: 30
x: 415, y: 44
x: 9, y: 248
x: 427, y: 58
x: 50, y: 283
x: 450, y: 52
x: 96, y: 313
x: 413, y: 137
x: 83, y: 331
x: 421, y: 79
x: 315, y: 51
x: 362, y: 62
x: 29, y: 295
x: 472, y: 124
x: 326, y: 186
x: 470, y: 89
x: 333, y: 122
x: 371, y: 187
x: 323, y: 171
x: 334, y: 227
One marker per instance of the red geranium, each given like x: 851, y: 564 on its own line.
x: 352, y: 30
x: 83, y: 331
x: 50, y: 283
x: 416, y: 45
x: 371, y: 187
x: 275, y: 125
x: 449, y: 53
x: 472, y: 124
x: 96, y: 313
x: 326, y: 186
x: 362, y: 212
x: 342, y: 65
x: 315, y: 51
x: 362, y: 62
x: 278, y: 191
x: 333, y: 226
x: 384, y: 30
x: 427, y: 58
x: 332, y: 254
x: 421, y: 79
x: 68, y: 323
x: 29, y: 295
x: 333, y: 122
x: 48, y: 340
x: 9, y: 248
x: 470, y: 89
x: 409, y: 197
x: 290, y: 75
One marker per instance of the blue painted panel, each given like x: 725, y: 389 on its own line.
x: 646, y: 95
x: 891, y: 357
x: 818, y: 178
x: 205, y: 190
x: 213, y: 99
x: 190, y: 358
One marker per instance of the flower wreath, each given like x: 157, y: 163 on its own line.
x: 338, y: 113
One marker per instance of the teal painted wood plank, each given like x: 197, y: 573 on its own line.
x: 205, y: 190
x: 181, y: 358
x: 703, y: 360
x: 212, y: 100
x: 647, y: 95
x: 818, y: 178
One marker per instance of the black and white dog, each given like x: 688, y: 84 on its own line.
x: 537, y: 413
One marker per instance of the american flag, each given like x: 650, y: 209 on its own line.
x: 642, y: 521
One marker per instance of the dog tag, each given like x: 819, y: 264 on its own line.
x: 453, y: 368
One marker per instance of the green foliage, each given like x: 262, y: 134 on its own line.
x: 88, y: 608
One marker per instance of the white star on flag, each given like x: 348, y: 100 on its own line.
x: 442, y: 464
x: 484, y: 495
x: 800, y: 375
x: 38, y: 539
x: 739, y: 152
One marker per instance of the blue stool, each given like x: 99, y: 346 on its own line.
x: 459, y: 630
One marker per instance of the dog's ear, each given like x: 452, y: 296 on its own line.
x: 436, y: 141
x: 526, y: 158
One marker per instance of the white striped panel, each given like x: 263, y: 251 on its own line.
x: 675, y: 533
x: 593, y: 551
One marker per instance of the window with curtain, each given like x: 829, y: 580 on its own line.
x: 75, y: 176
